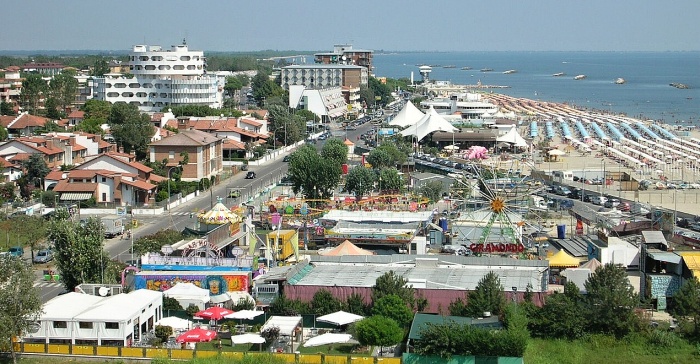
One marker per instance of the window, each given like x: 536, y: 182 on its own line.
x: 104, y: 179
x: 60, y: 325
x: 171, y: 154
x: 112, y: 325
x: 104, y: 197
x: 85, y: 325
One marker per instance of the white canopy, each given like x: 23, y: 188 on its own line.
x: 409, y: 115
x: 245, y: 314
x: 176, y: 323
x: 512, y: 137
x: 329, y: 338
x: 431, y: 122
x: 286, y: 324
x: 183, y: 290
x: 340, y: 318
x: 247, y: 339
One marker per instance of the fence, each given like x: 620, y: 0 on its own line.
x: 183, y: 354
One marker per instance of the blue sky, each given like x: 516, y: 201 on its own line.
x: 407, y: 25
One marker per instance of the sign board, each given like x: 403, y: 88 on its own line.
x: 121, y: 211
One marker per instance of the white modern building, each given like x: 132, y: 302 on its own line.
x: 468, y: 105
x: 327, y: 103
x: 324, y: 75
x: 78, y: 318
x: 162, y: 78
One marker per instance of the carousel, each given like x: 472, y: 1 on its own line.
x: 217, y: 216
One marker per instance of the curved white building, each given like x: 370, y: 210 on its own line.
x: 161, y: 78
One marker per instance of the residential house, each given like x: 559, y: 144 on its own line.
x: 203, y: 150
x: 24, y: 124
x: 17, y: 150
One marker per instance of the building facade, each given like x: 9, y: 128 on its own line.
x: 323, y: 76
x: 160, y: 78
x: 345, y: 54
x: 203, y: 150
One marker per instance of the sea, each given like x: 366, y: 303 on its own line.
x: 646, y: 94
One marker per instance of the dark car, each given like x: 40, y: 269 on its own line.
x: 250, y: 175
x: 286, y: 181
x: 16, y: 251
x: 286, y: 158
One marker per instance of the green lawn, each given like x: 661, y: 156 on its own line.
x: 608, y: 351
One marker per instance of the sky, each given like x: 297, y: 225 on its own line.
x: 389, y: 25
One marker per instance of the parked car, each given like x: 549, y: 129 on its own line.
x: 43, y: 256
x: 611, y: 202
x: 624, y: 207
x: 599, y: 200
x: 250, y: 175
x: 16, y: 251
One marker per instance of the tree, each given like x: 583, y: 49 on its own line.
x: 324, y: 303
x: 192, y: 310
x: 395, y: 308
x: 130, y: 128
x: 312, y: 175
x: 391, y: 180
x: 170, y: 303
x: 62, y: 88
x: 36, y: 169
x: 32, y: 229
x: 610, y: 301
x: 359, y: 181
x: 391, y: 283
x: 432, y: 190
x: 379, y: 158
x: 91, y: 125
x: 20, y: 305
x: 264, y: 88
x: 100, y: 68
x: 308, y: 115
x: 286, y: 307
x: 97, y: 109
x: 7, y: 191
x: 78, y: 252
x: 355, y: 303
x: 163, y: 332
x: 686, y: 302
x: 488, y: 296
x: 335, y: 150
x: 561, y: 316
x: 33, y: 87
x: 378, y: 330
x: 3, y: 133
x: 6, y: 108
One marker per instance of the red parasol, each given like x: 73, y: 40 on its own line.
x: 214, y: 313
x: 196, y: 335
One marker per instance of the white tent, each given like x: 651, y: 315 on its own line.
x: 247, y: 339
x: 245, y: 314
x: 512, y: 137
x: 409, y: 115
x: 329, y: 338
x: 340, y: 318
x: 286, y: 324
x: 431, y: 122
x: 188, y: 293
x: 176, y: 323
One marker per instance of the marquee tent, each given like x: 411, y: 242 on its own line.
x: 340, y: 318
x: 286, y: 324
x: 176, y: 323
x: 187, y: 293
x: 409, y: 115
x: 563, y: 260
x: 346, y: 248
x: 512, y: 137
x: 431, y: 122
x: 328, y: 338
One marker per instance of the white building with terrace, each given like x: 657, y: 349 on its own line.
x: 160, y: 78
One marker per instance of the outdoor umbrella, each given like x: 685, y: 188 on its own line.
x: 196, y: 335
x: 556, y: 152
x: 340, y: 318
x: 214, y: 313
x: 329, y: 338
x: 175, y: 322
x: 247, y: 339
x: 244, y: 315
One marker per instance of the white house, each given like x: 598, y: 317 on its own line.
x: 328, y: 103
x: 77, y: 318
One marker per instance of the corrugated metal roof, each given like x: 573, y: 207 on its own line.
x: 666, y: 257
x: 654, y: 237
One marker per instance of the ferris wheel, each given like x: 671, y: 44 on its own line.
x: 497, y: 200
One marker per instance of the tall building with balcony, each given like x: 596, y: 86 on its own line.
x: 345, y: 54
x: 160, y: 78
x: 323, y: 76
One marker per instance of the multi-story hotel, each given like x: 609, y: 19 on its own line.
x: 345, y: 54
x: 162, y: 78
x: 323, y: 76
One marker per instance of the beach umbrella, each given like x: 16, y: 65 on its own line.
x: 196, y: 335
x: 244, y: 315
x: 329, y: 338
x: 175, y: 322
x: 214, y: 313
x: 247, y: 339
x: 340, y: 318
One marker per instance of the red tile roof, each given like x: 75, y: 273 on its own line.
x: 252, y: 122
x: 188, y: 138
x: 139, y: 184
x: 64, y: 186
x: 77, y: 114
x: 231, y: 144
x: 27, y: 120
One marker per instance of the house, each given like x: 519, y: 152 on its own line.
x: 202, y: 150
x: 24, y: 124
x: 84, y: 319
x: 17, y: 150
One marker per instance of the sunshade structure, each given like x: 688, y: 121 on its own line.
x: 592, y: 264
x: 556, y: 152
x: 340, y: 318
x: 286, y: 324
x: 512, y: 137
x: 346, y: 248
x: 218, y: 215
x: 247, y: 339
x: 197, y: 335
x: 176, y: 323
x: 187, y: 293
x: 245, y: 315
x: 563, y: 260
x: 409, y: 115
x: 431, y: 122
x: 214, y: 313
x: 329, y: 338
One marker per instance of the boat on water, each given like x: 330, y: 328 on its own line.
x: 509, y: 72
x: 620, y: 81
x: 466, y: 68
x: 449, y: 66
x: 580, y: 77
x: 559, y: 74
x: 486, y: 69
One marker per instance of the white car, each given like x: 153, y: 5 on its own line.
x: 599, y: 200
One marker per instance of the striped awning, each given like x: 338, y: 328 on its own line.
x: 75, y: 196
